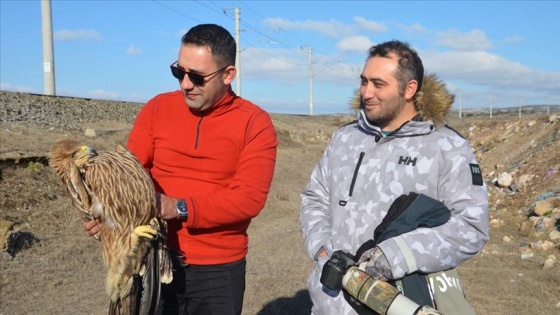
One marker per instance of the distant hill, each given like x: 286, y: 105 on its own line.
x: 507, y: 111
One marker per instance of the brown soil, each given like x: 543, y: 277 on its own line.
x: 62, y: 272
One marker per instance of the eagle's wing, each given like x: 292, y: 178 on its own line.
x: 79, y: 192
x: 66, y: 156
x: 123, y: 187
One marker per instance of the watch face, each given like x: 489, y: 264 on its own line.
x: 182, y: 207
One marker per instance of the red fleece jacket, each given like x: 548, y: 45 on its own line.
x: 221, y: 161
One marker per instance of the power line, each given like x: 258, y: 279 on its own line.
x: 328, y: 64
x: 295, y: 49
x: 180, y: 13
x: 256, y: 13
x: 219, y: 10
x: 323, y: 65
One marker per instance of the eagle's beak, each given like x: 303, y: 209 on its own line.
x: 89, y: 151
x: 84, y: 154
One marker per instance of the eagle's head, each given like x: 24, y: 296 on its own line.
x: 67, y: 152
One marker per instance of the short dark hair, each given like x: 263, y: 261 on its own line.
x: 218, y: 39
x: 410, y: 64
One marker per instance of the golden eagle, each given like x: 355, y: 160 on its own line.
x: 114, y: 188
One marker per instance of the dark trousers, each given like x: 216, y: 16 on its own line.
x: 205, y: 290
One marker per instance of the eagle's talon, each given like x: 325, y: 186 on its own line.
x: 145, y: 231
x: 149, y: 231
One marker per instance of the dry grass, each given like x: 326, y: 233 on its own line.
x: 63, y: 273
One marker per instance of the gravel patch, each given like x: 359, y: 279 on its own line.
x: 68, y: 113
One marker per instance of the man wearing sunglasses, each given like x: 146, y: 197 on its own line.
x: 211, y: 155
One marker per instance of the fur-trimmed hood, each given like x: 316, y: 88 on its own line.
x: 433, y: 101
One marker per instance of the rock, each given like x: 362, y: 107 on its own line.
x: 92, y: 133
x: 554, y: 235
x: 496, y: 222
x: 553, y: 118
x: 538, y: 223
x: 527, y: 255
x: 524, y: 180
x: 544, y: 206
x: 510, y: 131
x: 549, y: 223
x: 547, y: 245
x: 526, y: 228
x: 544, y: 246
x: 536, y: 245
x: 504, y: 180
x: 506, y: 239
x: 549, y: 262
x: 513, y: 187
x: 543, y: 223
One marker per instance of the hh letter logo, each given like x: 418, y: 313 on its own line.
x: 407, y: 160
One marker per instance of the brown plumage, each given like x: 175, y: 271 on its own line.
x: 114, y: 188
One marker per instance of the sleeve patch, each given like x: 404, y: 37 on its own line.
x: 476, y: 173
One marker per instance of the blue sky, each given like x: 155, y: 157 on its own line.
x: 504, y: 51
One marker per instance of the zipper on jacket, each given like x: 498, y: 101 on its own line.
x: 198, y: 132
x: 343, y: 202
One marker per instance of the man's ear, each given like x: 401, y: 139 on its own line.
x: 410, y: 89
x: 229, y: 74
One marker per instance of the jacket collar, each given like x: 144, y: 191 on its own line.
x: 413, y: 127
x: 225, y: 104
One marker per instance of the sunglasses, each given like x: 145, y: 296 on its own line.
x: 195, y: 78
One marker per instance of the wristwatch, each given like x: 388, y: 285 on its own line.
x: 182, y: 209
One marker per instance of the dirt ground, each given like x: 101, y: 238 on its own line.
x: 61, y: 272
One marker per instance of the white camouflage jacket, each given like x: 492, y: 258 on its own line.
x: 359, y: 176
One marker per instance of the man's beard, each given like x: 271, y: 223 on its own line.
x: 386, y: 112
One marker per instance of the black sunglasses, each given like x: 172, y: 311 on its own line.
x: 195, y: 78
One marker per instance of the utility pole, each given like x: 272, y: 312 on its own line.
x: 460, y: 103
x: 519, y: 102
x: 548, y: 105
x: 310, y: 54
x: 490, y: 106
x: 48, y: 50
x: 237, y: 55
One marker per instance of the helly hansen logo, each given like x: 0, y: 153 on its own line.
x: 407, y: 160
